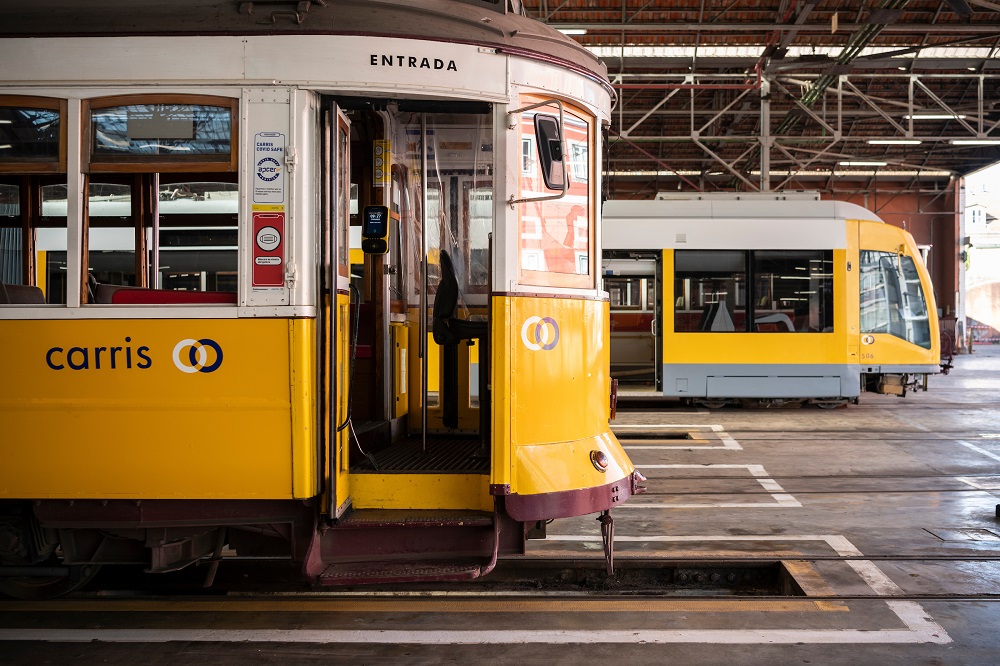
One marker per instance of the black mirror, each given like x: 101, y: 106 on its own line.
x: 550, y: 154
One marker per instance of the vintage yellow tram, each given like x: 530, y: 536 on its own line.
x: 318, y: 280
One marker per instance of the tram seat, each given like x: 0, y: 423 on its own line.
x: 21, y: 294
x: 778, y: 322
x: 716, y: 317
x: 448, y: 332
x: 139, y: 296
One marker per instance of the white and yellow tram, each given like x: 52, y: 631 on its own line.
x: 195, y: 357
x: 766, y: 298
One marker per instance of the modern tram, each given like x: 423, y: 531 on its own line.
x: 765, y: 299
x: 314, y: 281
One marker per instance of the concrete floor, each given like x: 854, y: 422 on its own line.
x: 884, y: 514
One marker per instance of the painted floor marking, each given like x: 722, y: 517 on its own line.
x: 919, y: 627
x: 446, y: 602
x: 977, y: 449
x: 986, y: 482
x: 782, y: 499
x: 727, y: 440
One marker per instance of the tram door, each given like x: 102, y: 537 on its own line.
x: 335, y: 350
x: 633, y: 283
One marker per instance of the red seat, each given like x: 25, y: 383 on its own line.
x: 171, y: 297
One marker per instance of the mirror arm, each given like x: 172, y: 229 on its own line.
x: 512, y: 123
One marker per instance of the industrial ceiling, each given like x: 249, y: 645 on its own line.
x: 778, y: 94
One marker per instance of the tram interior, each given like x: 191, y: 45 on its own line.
x: 422, y: 407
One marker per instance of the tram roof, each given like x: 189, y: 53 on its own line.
x: 733, y: 209
x: 482, y: 22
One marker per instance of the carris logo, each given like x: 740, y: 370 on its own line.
x: 540, y: 333
x: 191, y: 356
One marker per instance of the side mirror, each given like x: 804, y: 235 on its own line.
x: 550, y: 154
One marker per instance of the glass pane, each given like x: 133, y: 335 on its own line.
x: 11, y: 260
x: 10, y: 201
x: 624, y: 292
x: 459, y: 200
x: 480, y: 212
x: 176, y: 130
x: 793, y: 291
x: 29, y: 135
x: 343, y: 205
x: 555, y: 234
x: 710, y: 288
x: 892, y: 298
x: 914, y: 305
x: 198, y: 198
x: 879, y: 293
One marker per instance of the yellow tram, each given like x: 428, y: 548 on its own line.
x: 319, y: 283
x: 766, y: 299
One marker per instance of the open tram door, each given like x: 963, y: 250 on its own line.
x: 336, y: 303
x: 634, y: 282
x: 410, y: 201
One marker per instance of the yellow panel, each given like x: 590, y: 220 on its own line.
x: 763, y: 348
x: 400, y: 369
x: 558, y: 386
x: 305, y: 463
x: 342, y: 379
x: 150, y: 409
x: 889, y: 349
x: 421, y: 491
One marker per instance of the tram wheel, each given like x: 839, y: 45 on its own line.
x: 37, y: 588
x: 830, y: 404
x: 712, y: 404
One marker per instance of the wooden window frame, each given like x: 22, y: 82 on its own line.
x: 530, y: 278
x: 57, y: 165
x: 161, y: 163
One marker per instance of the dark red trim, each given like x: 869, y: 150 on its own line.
x: 568, y: 503
x: 499, y: 489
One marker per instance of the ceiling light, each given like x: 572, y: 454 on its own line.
x: 573, y: 31
x: 894, y: 142
x: 934, y: 116
x: 852, y: 163
x: 975, y: 142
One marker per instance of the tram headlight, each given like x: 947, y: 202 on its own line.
x: 599, y: 460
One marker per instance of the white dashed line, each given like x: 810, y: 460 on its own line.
x: 782, y: 499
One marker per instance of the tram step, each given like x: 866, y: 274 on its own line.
x: 391, y: 518
x: 399, y: 571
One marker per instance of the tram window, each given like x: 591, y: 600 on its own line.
x: 32, y: 155
x: 555, y: 235
x: 793, y: 291
x: 32, y: 135
x: 124, y: 132
x: 892, y: 297
x: 624, y: 292
x: 711, y: 290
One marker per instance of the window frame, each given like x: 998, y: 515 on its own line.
x: 47, y: 104
x: 160, y: 163
x: 574, y: 188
